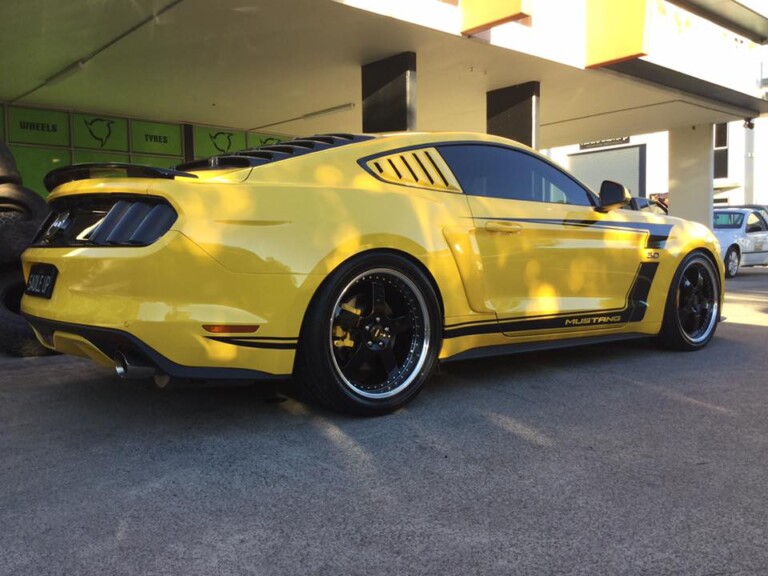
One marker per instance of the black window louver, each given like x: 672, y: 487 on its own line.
x: 265, y: 154
x: 219, y: 162
x: 106, y: 221
x: 311, y: 144
x: 273, y: 152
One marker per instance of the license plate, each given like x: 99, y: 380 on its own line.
x: 42, y: 277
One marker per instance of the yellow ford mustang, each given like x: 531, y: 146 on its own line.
x: 355, y: 263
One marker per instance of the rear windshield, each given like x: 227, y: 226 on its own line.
x: 728, y: 220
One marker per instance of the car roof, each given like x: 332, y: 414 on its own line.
x: 735, y: 210
x: 303, y: 146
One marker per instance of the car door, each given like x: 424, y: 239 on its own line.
x: 550, y: 261
x: 756, y: 230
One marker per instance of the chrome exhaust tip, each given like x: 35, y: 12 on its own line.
x: 130, y: 367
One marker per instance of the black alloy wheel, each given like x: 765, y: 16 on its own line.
x: 379, y: 333
x: 372, y: 336
x: 693, y: 304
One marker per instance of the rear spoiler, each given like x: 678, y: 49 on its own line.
x: 76, y: 172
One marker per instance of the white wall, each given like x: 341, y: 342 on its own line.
x: 691, y: 164
x: 657, y: 159
x: 760, y: 161
x: 747, y: 180
x: 621, y: 164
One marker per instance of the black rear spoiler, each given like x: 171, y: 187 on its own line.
x: 76, y: 172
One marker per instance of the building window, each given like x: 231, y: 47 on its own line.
x: 721, y: 150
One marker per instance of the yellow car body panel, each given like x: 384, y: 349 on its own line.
x: 164, y: 297
x: 251, y: 247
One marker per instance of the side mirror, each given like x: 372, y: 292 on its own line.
x: 613, y: 195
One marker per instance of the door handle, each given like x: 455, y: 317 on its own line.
x: 503, y: 226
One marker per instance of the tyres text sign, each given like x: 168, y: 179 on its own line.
x: 156, y: 138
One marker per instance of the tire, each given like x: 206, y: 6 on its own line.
x: 16, y: 336
x: 9, y: 173
x: 693, y: 304
x: 371, y: 336
x: 732, y: 260
x: 16, y: 233
x: 16, y: 198
x: 22, y: 212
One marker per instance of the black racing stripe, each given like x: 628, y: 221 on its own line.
x: 658, y: 233
x: 256, y: 342
x: 265, y: 338
x: 475, y: 323
x: 606, y: 317
x: 633, y: 311
x: 548, y: 323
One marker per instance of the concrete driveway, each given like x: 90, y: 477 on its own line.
x: 598, y: 460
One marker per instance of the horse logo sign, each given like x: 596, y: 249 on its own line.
x: 100, y: 129
x: 222, y: 141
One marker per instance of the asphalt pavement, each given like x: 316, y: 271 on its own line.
x: 614, y: 460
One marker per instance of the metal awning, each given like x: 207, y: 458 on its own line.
x: 733, y: 14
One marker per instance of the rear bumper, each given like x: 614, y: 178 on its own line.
x: 103, y: 344
x: 155, y: 301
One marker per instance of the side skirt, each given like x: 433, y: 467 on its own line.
x: 505, y: 349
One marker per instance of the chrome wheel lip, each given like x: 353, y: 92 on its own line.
x: 425, y: 345
x: 708, y: 331
x: 713, y: 301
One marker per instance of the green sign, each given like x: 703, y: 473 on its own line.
x: 156, y: 161
x: 31, y: 126
x: 34, y: 163
x: 90, y: 156
x: 214, y: 141
x: 255, y: 140
x: 100, y: 132
x: 156, y: 138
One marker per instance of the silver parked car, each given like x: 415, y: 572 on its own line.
x: 743, y: 236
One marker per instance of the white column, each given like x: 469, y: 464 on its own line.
x: 749, y: 166
x: 760, y: 160
x: 691, y: 170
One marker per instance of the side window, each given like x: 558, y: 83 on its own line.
x: 754, y: 223
x: 498, y: 172
x: 728, y: 220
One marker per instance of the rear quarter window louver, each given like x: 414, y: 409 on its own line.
x: 421, y: 168
x: 106, y: 221
x: 273, y: 152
